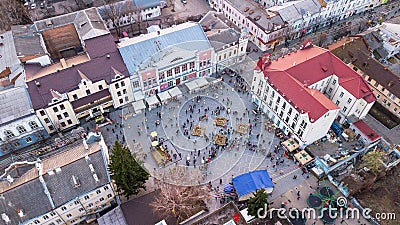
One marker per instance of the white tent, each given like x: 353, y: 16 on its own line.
x: 175, y: 92
x: 201, y: 82
x: 152, y: 101
x: 164, y: 96
x: 192, y: 85
x: 138, y: 106
x: 138, y: 96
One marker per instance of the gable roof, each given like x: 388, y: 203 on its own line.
x: 293, y: 73
x: 14, y: 104
x: 8, y: 54
x: 367, y: 130
x: 103, y: 56
x: 356, y: 51
x: 138, y: 49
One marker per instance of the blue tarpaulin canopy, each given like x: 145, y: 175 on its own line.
x: 248, y: 183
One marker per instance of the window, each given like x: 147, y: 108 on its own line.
x: 69, y: 122
x: 65, y: 114
x: 98, y: 191
x: 55, y: 109
x: 177, y: 70
x: 349, y: 101
x: 124, y: 91
x: 169, y: 73
x: 123, y: 83
x: 88, y: 92
x: 63, y: 208
x: 337, y: 102
x: 90, y: 205
x: 16, y: 144
x: 81, y: 209
x: 344, y: 109
x: 52, y: 214
x: 290, y: 111
x: 334, y: 81
x: 42, y: 113
x: 376, y: 84
x: 395, y: 109
x: 21, y: 129
x: 69, y: 215
x: 36, y: 221
x: 58, y: 221
x: 109, y: 195
x: 341, y: 94
x: 121, y: 101
x: 219, y: 58
x: 383, y: 89
x: 76, y: 202
x: 28, y: 139
x: 161, y: 76
x: 63, y: 124
x: 75, y: 96
x: 59, y: 117
x: 191, y: 65
x: 330, y: 90
x: 184, y: 67
x: 284, y: 105
x: 87, y: 197
x: 119, y: 93
x: 126, y: 98
x: 9, y: 133
x: 51, y: 127
x: 100, y: 87
x: 296, y: 116
x: 144, y: 83
x: 62, y: 107
x: 106, y: 188
x: 116, y: 85
x: 45, y: 217
x: 33, y: 124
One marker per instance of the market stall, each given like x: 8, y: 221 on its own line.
x: 241, y: 128
x: 138, y: 106
x: 220, y: 121
x: 290, y: 145
x: 303, y: 157
x: 220, y: 139
x: 198, y: 130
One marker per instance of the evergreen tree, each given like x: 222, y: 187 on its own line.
x: 258, y: 201
x: 373, y: 161
x: 128, y: 175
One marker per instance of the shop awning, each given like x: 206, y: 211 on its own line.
x: 164, y: 96
x: 138, y: 105
x: 201, y: 82
x: 152, y: 100
x: 138, y: 96
x: 175, y: 92
x: 290, y: 144
x: 192, y: 85
x: 303, y: 157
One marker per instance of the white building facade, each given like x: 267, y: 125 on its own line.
x: 304, y: 105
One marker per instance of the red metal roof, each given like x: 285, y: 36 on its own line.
x: 366, y: 130
x: 293, y: 73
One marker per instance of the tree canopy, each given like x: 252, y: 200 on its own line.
x: 373, y: 161
x: 258, y: 201
x: 126, y: 172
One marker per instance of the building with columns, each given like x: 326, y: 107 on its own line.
x: 165, y: 58
x: 304, y: 91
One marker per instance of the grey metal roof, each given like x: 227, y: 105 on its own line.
x: 30, y: 198
x: 138, y: 49
x: 212, y: 20
x: 224, y: 37
x: 60, y: 185
x: 294, y: 11
x: 8, y: 54
x: 14, y: 104
x: 27, y: 42
x: 146, y: 3
x: 88, y: 23
x: 114, y: 217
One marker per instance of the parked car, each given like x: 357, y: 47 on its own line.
x: 42, y: 5
x: 33, y: 6
x: 184, y: 1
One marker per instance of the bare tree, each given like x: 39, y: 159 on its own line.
x: 182, y: 201
x: 114, y: 10
x: 322, y: 38
x: 137, y: 11
x: 13, y: 12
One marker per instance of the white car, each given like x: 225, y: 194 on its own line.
x: 33, y: 6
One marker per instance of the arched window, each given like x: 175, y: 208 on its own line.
x: 9, y: 133
x: 33, y: 124
x: 21, y: 129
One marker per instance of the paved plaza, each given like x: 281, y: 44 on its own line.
x: 196, y: 160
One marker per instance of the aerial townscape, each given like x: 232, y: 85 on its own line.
x: 203, y: 112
